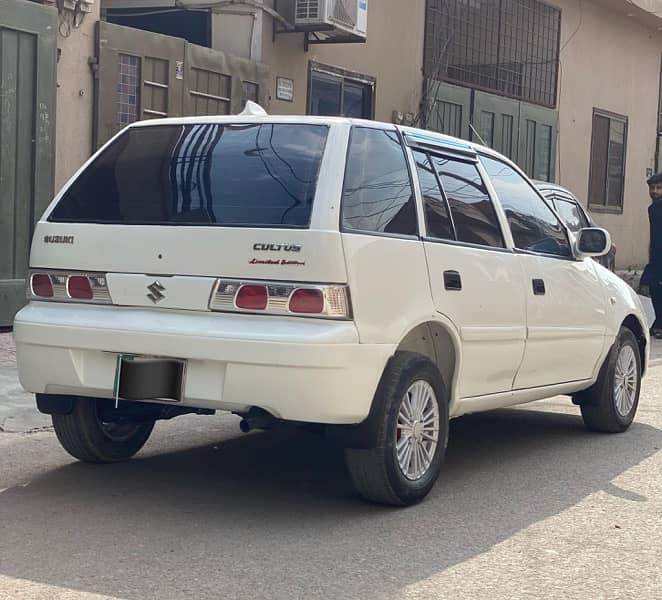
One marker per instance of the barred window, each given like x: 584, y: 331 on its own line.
x: 507, y: 46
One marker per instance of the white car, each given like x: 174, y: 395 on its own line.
x: 375, y: 279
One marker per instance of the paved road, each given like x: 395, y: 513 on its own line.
x: 530, y: 506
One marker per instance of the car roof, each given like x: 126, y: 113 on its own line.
x: 546, y: 186
x: 427, y: 137
x: 249, y: 119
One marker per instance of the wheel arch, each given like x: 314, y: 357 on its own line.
x: 633, y: 323
x: 439, y: 344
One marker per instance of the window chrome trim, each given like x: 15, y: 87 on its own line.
x: 434, y: 240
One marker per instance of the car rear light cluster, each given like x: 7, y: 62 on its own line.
x: 62, y: 286
x: 277, y: 298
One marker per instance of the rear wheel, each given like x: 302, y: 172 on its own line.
x: 84, y: 435
x: 611, y: 404
x: 412, y: 435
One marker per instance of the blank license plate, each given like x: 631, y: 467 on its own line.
x: 147, y: 378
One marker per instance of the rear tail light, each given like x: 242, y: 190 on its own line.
x: 307, y: 301
x: 79, y: 287
x: 61, y: 286
x: 41, y: 285
x: 252, y: 297
x: 281, y: 298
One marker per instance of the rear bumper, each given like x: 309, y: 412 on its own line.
x: 297, y: 369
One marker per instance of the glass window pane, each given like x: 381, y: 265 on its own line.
x: 251, y: 92
x: 259, y: 175
x: 473, y: 214
x: 325, y: 93
x: 533, y: 224
x: 615, y: 163
x: 597, y: 191
x: 437, y: 221
x: 377, y: 194
x: 571, y: 215
x: 356, y: 100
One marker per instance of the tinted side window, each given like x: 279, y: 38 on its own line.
x: 471, y: 208
x: 437, y: 219
x: 533, y: 224
x: 377, y: 195
x: 571, y: 215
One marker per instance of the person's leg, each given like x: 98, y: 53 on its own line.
x: 656, y: 297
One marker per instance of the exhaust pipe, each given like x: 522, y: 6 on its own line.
x: 257, y: 418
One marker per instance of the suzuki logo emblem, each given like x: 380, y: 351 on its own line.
x: 156, y: 292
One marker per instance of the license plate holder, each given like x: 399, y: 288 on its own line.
x: 149, y: 378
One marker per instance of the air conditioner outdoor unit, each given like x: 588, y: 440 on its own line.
x: 334, y: 18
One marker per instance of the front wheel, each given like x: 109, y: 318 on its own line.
x: 610, y: 405
x: 84, y: 435
x: 412, y: 435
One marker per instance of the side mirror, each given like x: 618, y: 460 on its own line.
x: 592, y: 241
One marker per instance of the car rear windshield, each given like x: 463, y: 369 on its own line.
x: 261, y: 175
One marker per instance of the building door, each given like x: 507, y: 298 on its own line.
x: 449, y: 110
x: 524, y: 132
x: 538, y: 128
x: 496, y: 121
x: 27, y: 138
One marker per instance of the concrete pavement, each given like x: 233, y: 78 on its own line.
x: 529, y: 506
x: 17, y: 409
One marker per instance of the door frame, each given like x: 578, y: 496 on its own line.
x: 41, y: 21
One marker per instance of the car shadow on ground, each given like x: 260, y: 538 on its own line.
x: 273, y: 515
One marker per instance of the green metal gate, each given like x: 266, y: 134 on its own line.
x: 524, y: 132
x: 27, y: 137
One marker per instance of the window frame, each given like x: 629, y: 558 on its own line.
x: 430, y: 150
x: 343, y: 75
x: 422, y: 209
x: 548, y: 203
x: 611, y: 116
x: 117, y: 138
x: 413, y: 182
x: 580, y: 209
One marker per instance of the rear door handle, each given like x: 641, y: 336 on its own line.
x: 538, y: 287
x: 452, y: 281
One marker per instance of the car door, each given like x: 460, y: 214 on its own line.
x: 565, y: 303
x: 475, y: 280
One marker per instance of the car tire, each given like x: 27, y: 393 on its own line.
x: 610, y: 405
x: 405, y: 462
x: 83, y: 434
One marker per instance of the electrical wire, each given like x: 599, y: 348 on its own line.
x: 576, y: 31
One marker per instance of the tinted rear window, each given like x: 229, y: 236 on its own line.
x: 207, y: 174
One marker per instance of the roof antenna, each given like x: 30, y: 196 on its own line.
x: 482, y: 141
x: 253, y: 109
